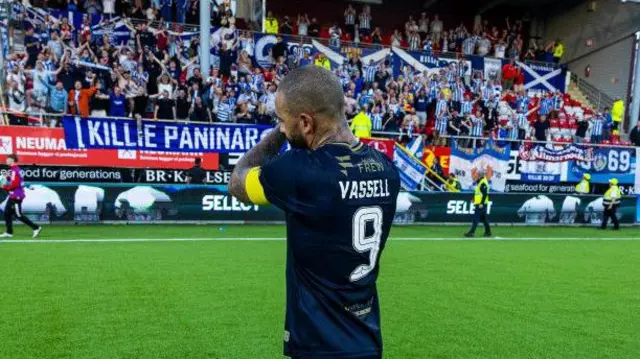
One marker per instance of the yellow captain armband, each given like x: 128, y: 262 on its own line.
x: 254, y: 187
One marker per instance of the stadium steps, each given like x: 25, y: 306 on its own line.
x: 577, y: 95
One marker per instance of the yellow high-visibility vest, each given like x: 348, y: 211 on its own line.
x: 323, y: 63
x: 583, y: 187
x: 452, y: 185
x: 617, y: 111
x: 612, y: 195
x: 271, y: 25
x: 361, y: 125
x: 558, y: 51
x: 477, y: 193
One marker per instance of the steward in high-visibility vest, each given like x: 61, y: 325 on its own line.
x: 617, y: 113
x: 361, y: 125
x: 271, y: 25
x: 323, y: 61
x: 584, y: 186
x: 611, y: 202
x: 480, y: 201
x: 558, y: 51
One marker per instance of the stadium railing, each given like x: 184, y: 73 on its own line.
x: 37, y: 117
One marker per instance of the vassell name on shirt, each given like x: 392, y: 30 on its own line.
x: 376, y: 188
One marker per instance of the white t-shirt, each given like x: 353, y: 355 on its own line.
x: 424, y: 25
x: 395, y: 41
x: 436, y: 26
x: 302, y: 29
x: 20, y: 105
x: 500, y: 50
x: 483, y: 46
x: 19, y: 78
x: 108, y: 6
x: 165, y: 87
x: 40, y: 79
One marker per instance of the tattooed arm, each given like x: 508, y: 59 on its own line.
x: 247, y: 171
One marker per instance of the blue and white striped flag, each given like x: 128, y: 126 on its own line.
x: 411, y: 169
x: 416, y: 147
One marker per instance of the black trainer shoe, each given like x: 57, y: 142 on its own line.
x: 468, y: 235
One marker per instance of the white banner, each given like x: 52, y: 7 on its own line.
x: 464, y: 160
x: 492, y: 68
x: 462, y: 168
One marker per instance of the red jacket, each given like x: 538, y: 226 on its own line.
x: 509, y: 72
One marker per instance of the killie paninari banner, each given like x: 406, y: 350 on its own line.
x: 127, y: 134
x: 47, y: 146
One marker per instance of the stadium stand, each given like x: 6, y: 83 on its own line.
x: 156, y: 75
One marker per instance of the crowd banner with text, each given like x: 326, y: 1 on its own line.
x: 442, y: 153
x: 607, y: 163
x: 126, y: 134
x: 541, y: 163
x: 465, y: 160
x: 411, y: 169
x: 265, y: 42
x: 384, y: 145
x: 96, y: 202
x: 47, y: 146
x: 418, y: 61
x: 489, y: 67
x: 337, y: 57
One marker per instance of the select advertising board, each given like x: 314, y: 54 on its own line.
x: 139, y: 203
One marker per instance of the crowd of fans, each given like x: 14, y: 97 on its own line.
x: 178, y: 11
x: 426, y: 33
x: 64, y: 70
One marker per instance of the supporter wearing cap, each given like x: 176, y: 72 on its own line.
x: 611, y: 201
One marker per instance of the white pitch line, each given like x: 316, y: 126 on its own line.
x: 132, y: 240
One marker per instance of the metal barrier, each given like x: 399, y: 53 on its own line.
x: 384, y: 134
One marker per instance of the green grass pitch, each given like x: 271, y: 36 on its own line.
x: 225, y: 299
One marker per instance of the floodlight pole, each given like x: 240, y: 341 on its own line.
x: 205, y: 37
x: 635, y: 104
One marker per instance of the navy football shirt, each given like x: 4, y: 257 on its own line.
x: 339, y: 202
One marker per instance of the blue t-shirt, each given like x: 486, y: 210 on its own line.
x: 117, y: 105
x: 32, y: 45
x: 339, y: 202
